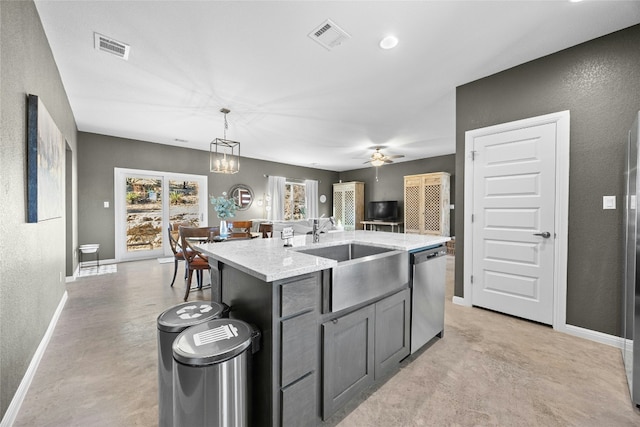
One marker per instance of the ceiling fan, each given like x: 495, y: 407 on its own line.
x: 378, y: 158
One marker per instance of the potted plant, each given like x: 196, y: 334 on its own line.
x: 225, y: 208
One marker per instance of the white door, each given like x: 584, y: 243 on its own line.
x: 146, y: 202
x: 513, y: 222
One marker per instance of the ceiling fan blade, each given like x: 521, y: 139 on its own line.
x: 395, y: 156
x: 368, y: 161
x: 388, y: 161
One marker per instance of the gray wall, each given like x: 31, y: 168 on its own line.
x: 98, y: 155
x: 599, y: 82
x: 390, y: 185
x: 32, y: 256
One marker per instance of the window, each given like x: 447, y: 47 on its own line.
x: 294, y: 200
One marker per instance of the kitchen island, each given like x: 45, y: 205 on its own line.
x: 325, y: 337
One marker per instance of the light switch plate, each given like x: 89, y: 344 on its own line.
x: 608, y: 202
x: 106, y: 204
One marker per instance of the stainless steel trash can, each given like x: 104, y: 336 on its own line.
x: 211, y: 373
x: 170, y: 324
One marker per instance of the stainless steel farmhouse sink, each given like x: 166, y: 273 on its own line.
x: 363, y: 273
x: 345, y: 252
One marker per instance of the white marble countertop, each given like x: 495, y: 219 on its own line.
x: 269, y: 260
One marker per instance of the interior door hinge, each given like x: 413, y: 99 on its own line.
x: 472, y: 279
x: 472, y: 217
x: 473, y: 155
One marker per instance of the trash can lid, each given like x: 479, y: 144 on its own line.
x: 212, y: 342
x: 181, y: 316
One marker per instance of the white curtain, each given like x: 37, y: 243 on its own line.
x: 311, y: 197
x: 276, y: 191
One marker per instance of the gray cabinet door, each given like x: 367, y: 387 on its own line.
x: 347, y: 358
x: 392, y: 332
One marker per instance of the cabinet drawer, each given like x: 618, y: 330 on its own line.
x: 299, y: 296
x: 299, y: 347
x: 299, y: 403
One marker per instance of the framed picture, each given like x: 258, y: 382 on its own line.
x: 45, y: 157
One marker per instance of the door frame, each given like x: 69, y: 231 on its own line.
x: 119, y: 206
x: 562, y: 121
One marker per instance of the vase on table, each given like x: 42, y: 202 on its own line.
x: 223, y: 228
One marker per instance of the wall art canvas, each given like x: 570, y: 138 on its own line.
x: 45, y: 164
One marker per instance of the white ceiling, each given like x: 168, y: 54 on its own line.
x: 292, y: 100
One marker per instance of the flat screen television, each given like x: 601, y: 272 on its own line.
x: 382, y: 211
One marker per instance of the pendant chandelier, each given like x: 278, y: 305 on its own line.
x: 224, y: 155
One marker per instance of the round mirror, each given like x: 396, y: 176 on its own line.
x: 323, y: 198
x: 242, y: 195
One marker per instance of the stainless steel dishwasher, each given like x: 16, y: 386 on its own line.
x: 428, y: 270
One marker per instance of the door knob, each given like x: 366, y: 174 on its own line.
x: 545, y: 234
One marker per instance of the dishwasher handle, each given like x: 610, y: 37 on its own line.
x: 428, y: 254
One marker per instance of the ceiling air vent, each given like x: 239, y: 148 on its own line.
x: 109, y: 45
x: 329, y: 35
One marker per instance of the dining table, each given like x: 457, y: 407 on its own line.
x: 229, y: 237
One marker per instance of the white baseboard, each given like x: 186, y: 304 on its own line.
x: 596, y: 336
x: 460, y: 301
x: 12, y: 411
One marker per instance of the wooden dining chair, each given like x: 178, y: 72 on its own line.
x: 242, y: 226
x: 176, y: 247
x: 195, y: 260
x: 178, y: 255
x: 266, y: 229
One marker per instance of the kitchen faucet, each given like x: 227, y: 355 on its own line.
x: 317, y: 229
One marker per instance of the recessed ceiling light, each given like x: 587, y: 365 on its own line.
x: 388, y: 42
x: 575, y: 1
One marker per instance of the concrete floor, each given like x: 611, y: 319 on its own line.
x: 100, y: 368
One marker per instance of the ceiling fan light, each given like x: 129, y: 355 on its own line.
x: 377, y: 162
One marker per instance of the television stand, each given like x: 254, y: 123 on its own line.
x: 373, y: 225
